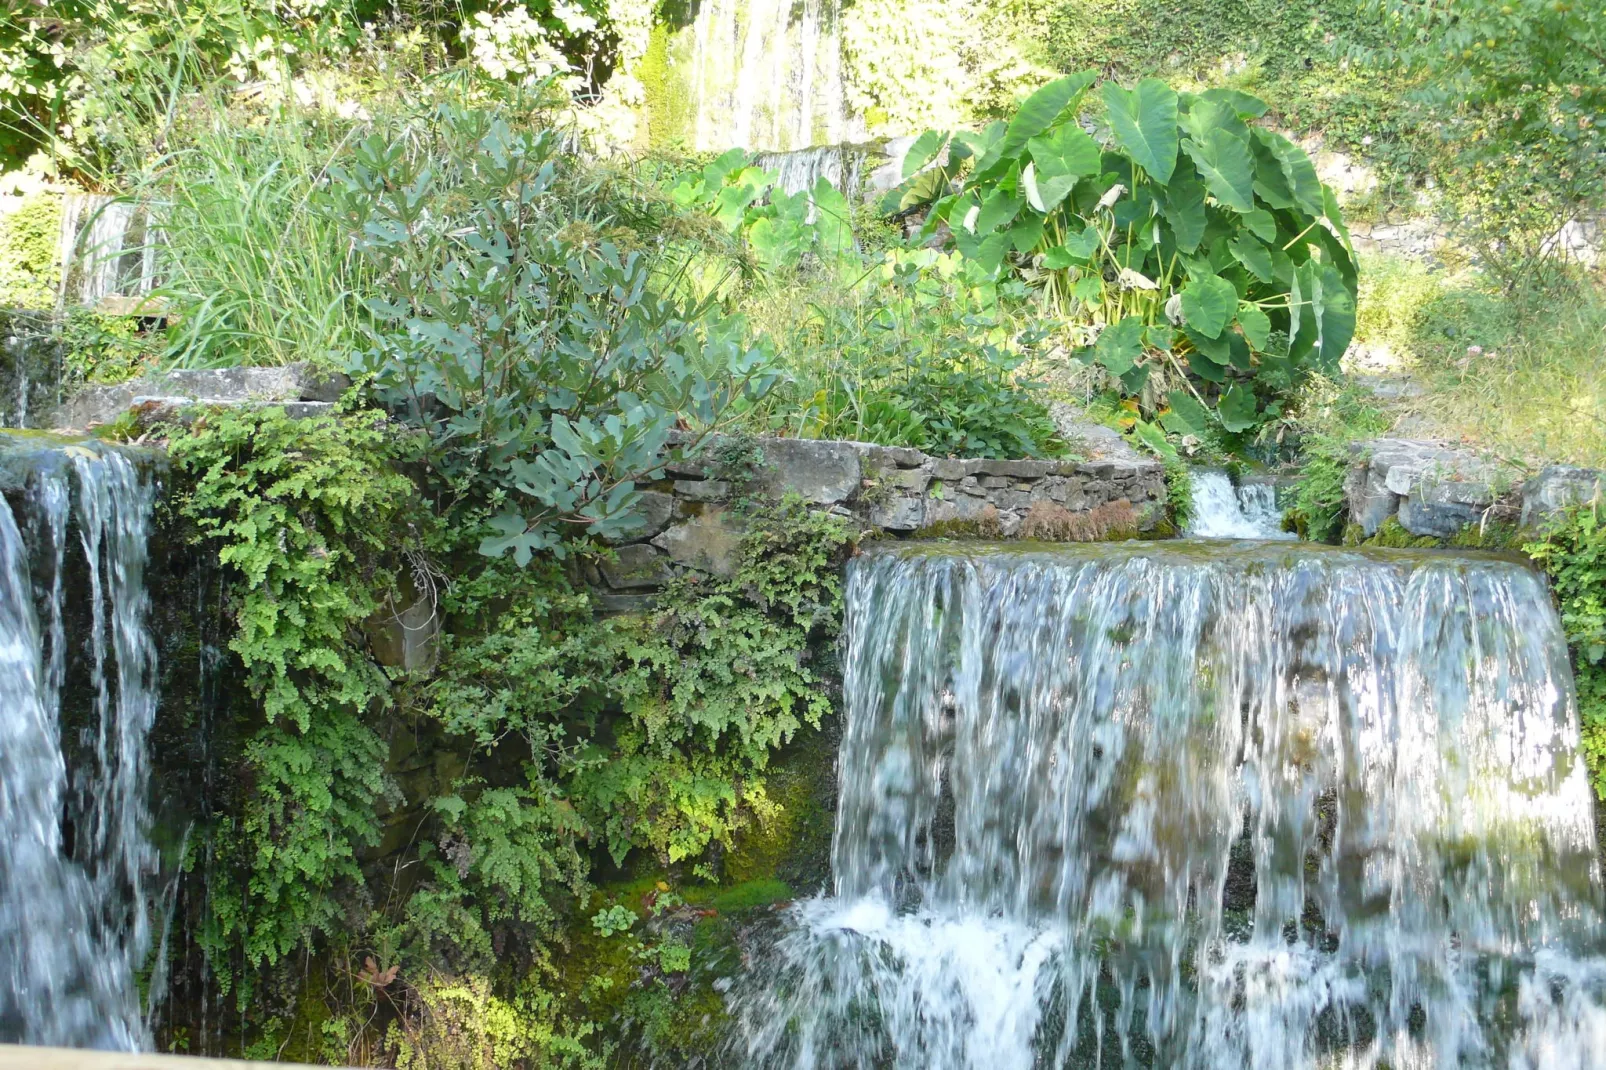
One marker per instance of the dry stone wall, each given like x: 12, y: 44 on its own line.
x: 1436, y: 489
x: 694, y: 515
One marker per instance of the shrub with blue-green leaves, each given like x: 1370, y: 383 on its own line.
x: 1194, y: 255
x: 542, y: 363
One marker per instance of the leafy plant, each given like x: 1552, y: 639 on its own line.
x: 780, y: 227
x: 1205, y: 266
x: 913, y: 354
x: 304, y: 516
x: 1573, y: 551
x: 614, y: 919
x: 543, y: 369
x: 1518, y: 90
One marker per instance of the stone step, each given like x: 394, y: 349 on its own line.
x: 311, y: 390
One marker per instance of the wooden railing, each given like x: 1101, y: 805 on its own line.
x: 13, y: 1057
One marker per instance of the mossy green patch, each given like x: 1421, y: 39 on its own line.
x: 30, y: 264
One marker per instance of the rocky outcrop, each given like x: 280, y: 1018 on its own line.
x: 1437, y: 489
x: 301, y: 388
x: 693, y: 521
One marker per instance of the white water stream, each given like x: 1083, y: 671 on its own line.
x: 74, y: 849
x: 1224, y: 511
x: 1197, y: 804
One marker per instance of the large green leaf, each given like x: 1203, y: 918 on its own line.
x: 1254, y: 256
x: 1217, y: 349
x: 1299, y: 174
x: 1271, y: 182
x: 1256, y: 325
x: 1044, y: 194
x: 1036, y: 114
x: 1184, y: 209
x: 1208, y: 304
x: 1262, y: 224
x: 924, y: 188
x: 1237, y: 408
x: 1120, y: 345
x: 1205, y: 115
x: 1227, y: 168
x: 1333, y: 307
x: 833, y: 218
x: 1061, y: 157
x: 1027, y: 233
x: 1247, y: 106
x: 1187, y: 416
x: 1210, y: 371
x: 925, y: 148
x: 1144, y: 121
x: 985, y: 251
x: 999, y: 208
x: 1084, y: 244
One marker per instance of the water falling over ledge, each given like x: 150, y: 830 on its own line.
x: 1198, y: 805
x: 75, y: 853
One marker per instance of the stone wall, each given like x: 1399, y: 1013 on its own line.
x: 1436, y: 489
x: 694, y: 516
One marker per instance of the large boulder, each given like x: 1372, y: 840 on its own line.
x: 1560, y: 487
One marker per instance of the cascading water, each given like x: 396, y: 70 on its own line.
x: 74, y: 848
x: 106, y: 250
x: 1223, y: 511
x: 800, y: 170
x: 1197, y: 805
x: 767, y: 74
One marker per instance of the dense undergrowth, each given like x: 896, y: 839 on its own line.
x: 439, y: 893
x: 534, y: 846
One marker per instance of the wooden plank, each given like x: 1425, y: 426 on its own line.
x: 15, y: 1057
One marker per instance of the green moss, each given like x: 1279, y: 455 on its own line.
x: 30, y: 268
x: 1164, y: 529
x: 751, y: 895
x: 669, y: 106
x: 984, y: 528
x: 1487, y: 537
x: 1391, y: 533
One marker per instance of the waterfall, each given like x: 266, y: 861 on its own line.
x: 1197, y: 805
x: 30, y: 368
x: 74, y: 849
x: 799, y: 170
x: 106, y: 250
x: 1223, y: 511
x: 767, y: 74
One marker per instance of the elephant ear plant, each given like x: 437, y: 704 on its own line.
x: 543, y: 364
x: 1194, y: 254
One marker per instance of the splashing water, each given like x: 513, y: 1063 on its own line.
x: 1197, y: 805
x: 1223, y: 511
x: 73, y: 922
x: 799, y: 170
